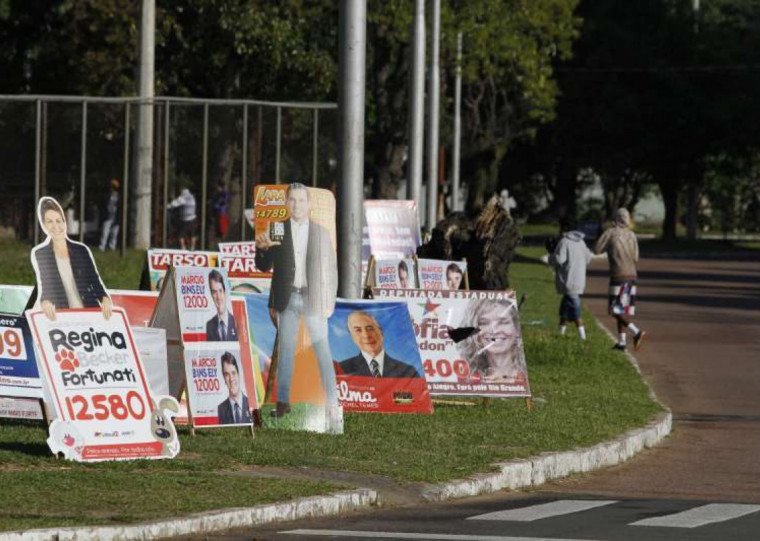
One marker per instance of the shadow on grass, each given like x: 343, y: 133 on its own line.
x: 30, y: 449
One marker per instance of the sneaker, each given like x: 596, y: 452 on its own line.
x: 638, y: 339
x: 619, y: 347
x: 282, y: 409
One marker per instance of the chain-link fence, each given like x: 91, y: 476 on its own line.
x: 71, y: 147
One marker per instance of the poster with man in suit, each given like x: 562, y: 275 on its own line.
x: 295, y: 238
x: 377, y: 360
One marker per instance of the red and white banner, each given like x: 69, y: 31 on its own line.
x: 105, y: 409
x: 239, y: 258
x: 159, y: 260
x: 470, y: 341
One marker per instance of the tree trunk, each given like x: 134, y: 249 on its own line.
x: 670, y: 198
x: 691, y: 211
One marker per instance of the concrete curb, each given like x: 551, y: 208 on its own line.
x: 547, y: 466
x: 317, y: 506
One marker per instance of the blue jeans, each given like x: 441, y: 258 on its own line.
x: 288, y: 323
x: 570, y: 308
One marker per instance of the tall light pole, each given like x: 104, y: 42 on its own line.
x: 144, y: 146
x: 457, y: 128
x: 351, y: 86
x: 416, y: 107
x: 433, y: 107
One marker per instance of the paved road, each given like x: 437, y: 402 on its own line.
x: 702, y: 356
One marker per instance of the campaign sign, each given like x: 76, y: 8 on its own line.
x: 376, y: 358
x: 470, y: 341
x: 18, y: 368
x: 243, y: 274
x: 395, y: 274
x: 440, y: 274
x: 159, y: 260
x: 393, y: 228
x: 215, y: 384
x: 104, y: 406
x: 205, y: 305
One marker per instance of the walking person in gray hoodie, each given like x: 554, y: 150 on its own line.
x: 569, y: 260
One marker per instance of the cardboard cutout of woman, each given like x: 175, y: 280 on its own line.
x: 65, y: 270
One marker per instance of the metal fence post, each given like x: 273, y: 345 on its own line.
x: 125, y: 182
x: 83, y: 171
x: 278, y: 148
x: 204, y: 177
x: 316, y: 148
x: 37, y: 145
x: 244, y: 174
x: 165, y: 201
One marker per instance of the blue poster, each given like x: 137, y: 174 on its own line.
x: 19, y: 376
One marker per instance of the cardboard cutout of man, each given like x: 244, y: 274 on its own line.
x: 235, y: 409
x: 67, y: 276
x: 221, y: 327
x: 304, y: 283
x: 372, y: 360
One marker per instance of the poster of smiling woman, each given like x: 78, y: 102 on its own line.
x: 470, y: 341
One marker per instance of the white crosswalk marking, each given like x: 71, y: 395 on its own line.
x: 544, y: 510
x: 431, y: 536
x: 699, y: 516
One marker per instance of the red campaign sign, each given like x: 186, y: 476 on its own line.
x: 241, y: 266
x: 138, y: 305
x: 398, y: 395
x: 163, y: 259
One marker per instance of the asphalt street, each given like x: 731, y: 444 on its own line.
x: 702, y: 357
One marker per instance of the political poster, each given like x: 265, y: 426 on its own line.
x: 205, y: 305
x: 440, y: 274
x: 239, y: 258
x: 104, y: 406
x: 160, y: 259
x: 393, y: 229
x: 216, y: 385
x: 295, y: 238
x: 377, y: 361
x: 18, y: 367
x: 470, y: 341
x: 395, y: 274
x: 21, y: 408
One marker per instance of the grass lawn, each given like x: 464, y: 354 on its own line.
x: 585, y: 393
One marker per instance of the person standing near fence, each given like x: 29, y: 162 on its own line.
x: 221, y: 203
x: 622, y: 249
x: 110, y: 233
x: 188, y: 229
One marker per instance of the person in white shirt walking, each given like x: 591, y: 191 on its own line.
x: 188, y: 218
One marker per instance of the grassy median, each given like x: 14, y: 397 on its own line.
x: 584, y: 393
